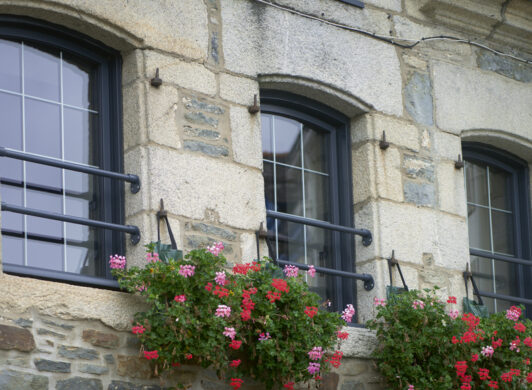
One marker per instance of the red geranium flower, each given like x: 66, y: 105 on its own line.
x: 281, y: 285
x: 235, y: 363
x: 311, y: 311
x: 289, y: 385
x: 236, y: 383
x: 245, y: 315
x: 343, y: 335
x: 151, y: 354
x: 451, y: 300
x: 235, y: 344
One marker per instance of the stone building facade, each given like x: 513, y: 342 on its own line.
x: 194, y: 143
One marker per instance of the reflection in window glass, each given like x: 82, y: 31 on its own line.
x: 47, y: 108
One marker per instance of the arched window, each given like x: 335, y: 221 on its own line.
x: 307, y: 174
x: 59, y: 98
x: 498, y: 211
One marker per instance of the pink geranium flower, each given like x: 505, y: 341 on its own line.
x: 117, y: 262
x: 311, y: 271
x: 220, y: 278
x: 180, y: 298
x: 348, y: 313
x: 223, y: 311
x: 291, y: 271
x: 216, y: 248
x: 229, y: 332
x: 186, y: 270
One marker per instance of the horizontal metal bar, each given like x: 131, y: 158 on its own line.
x: 10, y: 153
x: 41, y: 273
x: 509, y: 259
x: 367, y: 278
x: 366, y: 234
x: 133, y: 230
x: 356, y: 3
x: 505, y: 297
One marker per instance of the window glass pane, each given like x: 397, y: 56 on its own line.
x: 76, y: 85
x: 287, y: 141
x: 269, y: 185
x: 289, y: 190
x: 12, y: 249
x: 317, y: 196
x: 503, y: 232
x: 476, y: 183
x: 81, y: 250
x: 479, y: 227
x: 41, y: 73
x: 10, y: 65
x: 43, y: 254
x: 48, y: 202
x: 11, y: 134
x: 505, y: 277
x: 78, y: 128
x: 319, y: 254
x: 315, y: 147
x: 12, y: 221
x: 267, y: 136
x: 500, y: 187
x: 482, y: 270
x: 43, y: 136
x: 291, y: 241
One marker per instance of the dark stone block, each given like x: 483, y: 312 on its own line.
x: 101, y: 339
x: 330, y: 381
x: 201, y: 119
x: 504, y: 66
x: 418, y: 98
x: 202, y: 133
x: 419, y: 193
x: 52, y: 366
x: 16, y: 380
x: 77, y: 353
x: 109, y: 359
x: 195, y: 104
x: 92, y: 369
x: 13, y: 337
x: 46, y: 332
x: 119, y: 385
x: 214, y: 47
x: 58, y: 325
x: 134, y: 367
x: 214, y: 230
x: 78, y: 383
x: 25, y: 323
x: 211, y: 150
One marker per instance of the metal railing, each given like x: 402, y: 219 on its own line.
x: 508, y: 259
x: 369, y: 282
x: 71, y: 166
x: 367, y: 238
x: 133, y: 179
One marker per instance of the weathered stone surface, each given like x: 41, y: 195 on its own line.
x: 210, y: 385
x: 418, y: 168
x: 503, y: 65
x: 447, y: 145
x: 469, y: 99
x: 254, y: 33
x: 188, y: 75
x: 418, y: 98
x: 23, y: 322
x: 13, y: 337
x: 193, y: 184
x: 330, y: 381
x: 421, y: 194
x: 100, y: 339
x: 208, y: 149
x: 195, y: 104
x: 46, y: 332
x: 93, y: 369
x: 132, y: 66
x: 133, y: 367
x: 200, y: 118
x: 451, y: 192
x: 226, y: 234
x: 214, y: 47
x: 133, y: 109
x: 394, y: 5
x: 360, y: 343
x: 52, y: 366
x: 120, y: 385
x: 17, y: 380
x: 210, y: 135
x: 162, y: 105
x: 246, y: 137
x: 19, y: 361
x: 240, y: 90
x: 71, y: 352
x: 353, y: 385
x: 79, y: 383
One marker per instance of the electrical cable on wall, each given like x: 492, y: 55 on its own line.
x: 395, y: 40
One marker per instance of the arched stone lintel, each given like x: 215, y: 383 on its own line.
x: 501, y: 139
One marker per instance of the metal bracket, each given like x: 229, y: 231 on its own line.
x: 156, y: 81
x: 367, y: 238
x: 135, y: 237
x: 135, y: 184
x: 459, y: 164
x: 255, y: 107
x: 369, y: 284
x: 383, y: 144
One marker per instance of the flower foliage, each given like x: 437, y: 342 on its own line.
x: 425, y: 344
x: 253, y: 322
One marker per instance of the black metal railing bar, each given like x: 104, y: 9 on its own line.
x: 72, y: 166
x: 132, y: 230
x: 510, y: 298
x: 366, y: 234
x: 369, y: 282
x: 496, y: 256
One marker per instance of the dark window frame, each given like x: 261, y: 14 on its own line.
x: 109, y: 143
x: 325, y: 118
x: 356, y: 3
x: 522, y: 222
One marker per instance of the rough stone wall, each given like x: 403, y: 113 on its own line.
x: 194, y: 144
